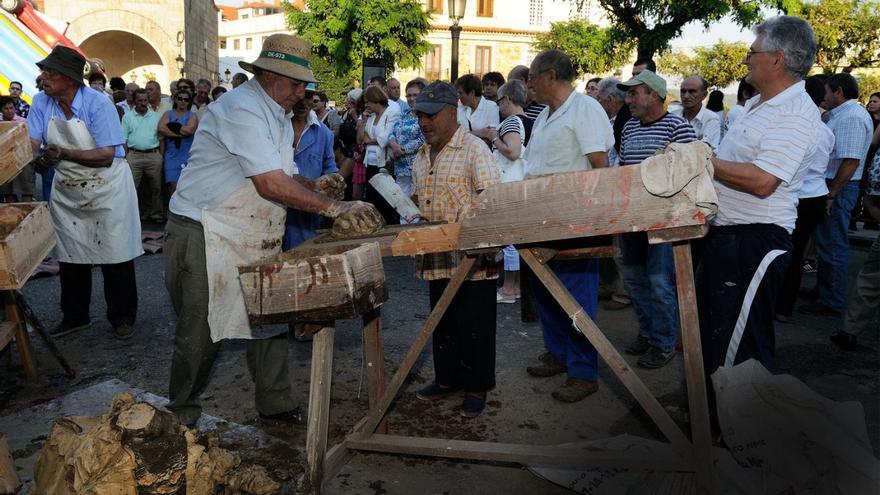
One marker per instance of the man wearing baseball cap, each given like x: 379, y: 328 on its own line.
x: 75, y: 130
x: 228, y: 210
x: 648, y: 269
x: 448, y: 172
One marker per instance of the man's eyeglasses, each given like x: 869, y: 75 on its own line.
x: 753, y: 52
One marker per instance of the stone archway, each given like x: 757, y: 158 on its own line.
x: 126, y: 55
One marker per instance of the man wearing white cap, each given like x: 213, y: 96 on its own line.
x: 229, y: 210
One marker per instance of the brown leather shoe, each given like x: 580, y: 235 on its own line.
x: 575, y: 390
x: 549, y: 367
x: 615, y: 305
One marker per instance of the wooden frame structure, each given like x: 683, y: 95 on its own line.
x: 564, y: 206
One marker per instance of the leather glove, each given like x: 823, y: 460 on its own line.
x: 331, y: 185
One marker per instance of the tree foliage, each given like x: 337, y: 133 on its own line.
x: 336, y: 86
x: 344, y: 32
x: 593, y: 49
x: 847, y: 31
x: 720, y: 64
x: 654, y: 23
x: 868, y: 85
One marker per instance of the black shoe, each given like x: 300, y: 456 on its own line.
x: 295, y: 416
x: 435, y: 392
x: 818, y: 309
x: 845, y: 341
x: 473, y: 405
x: 65, y: 328
x: 639, y: 346
x: 124, y: 331
x: 655, y: 358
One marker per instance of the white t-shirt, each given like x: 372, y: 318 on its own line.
x: 707, y: 126
x: 814, y: 180
x: 243, y: 134
x: 778, y: 136
x: 559, y: 142
x: 485, y: 115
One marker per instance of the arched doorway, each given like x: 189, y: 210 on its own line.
x: 128, y: 56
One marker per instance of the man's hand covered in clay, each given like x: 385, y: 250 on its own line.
x: 354, y: 218
x: 331, y: 185
x: 50, y: 157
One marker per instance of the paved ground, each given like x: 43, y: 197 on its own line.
x: 520, y: 409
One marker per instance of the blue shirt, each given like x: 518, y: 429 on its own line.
x: 90, y: 106
x: 852, y: 128
x: 407, y: 133
x: 313, y: 157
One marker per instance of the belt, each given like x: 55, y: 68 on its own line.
x: 152, y: 150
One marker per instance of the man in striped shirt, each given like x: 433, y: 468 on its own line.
x: 648, y: 269
x: 759, y: 168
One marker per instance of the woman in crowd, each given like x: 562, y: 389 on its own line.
x: 716, y: 104
x: 406, y: 139
x: 327, y: 116
x: 374, y: 127
x: 178, y: 125
x: 508, y: 144
x: 22, y: 186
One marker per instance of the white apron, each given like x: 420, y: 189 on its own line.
x: 243, y: 229
x: 95, y: 210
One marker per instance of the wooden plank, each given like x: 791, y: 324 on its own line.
x: 319, y: 405
x: 375, y: 361
x: 7, y: 330
x: 677, y: 234
x: 430, y: 239
x: 26, y: 237
x: 339, y: 455
x: 8, y: 477
x: 377, y: 413
x: 314, y: 286
x: 15, y: 150
x: 545, y: 455
x: 693, y: 367
x: 572, y: 205
x: 22, y: 340
x: 607, y: 351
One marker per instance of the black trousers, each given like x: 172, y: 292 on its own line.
x: 120, y: 292
x: 736, y: 258
x: 464, y: 342
x: 372, y: 196
x: 811, y: 212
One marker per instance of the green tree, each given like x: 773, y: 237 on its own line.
x: 868, y: 85
x: 719, y: 64
x: 654, y: 23
x: 336, y: 86
x: 847, y: 31
x: 343, y: 32
x: 593, y: 49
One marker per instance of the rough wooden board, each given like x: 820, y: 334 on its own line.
x: 15, y: 150
x: 319, y: 406
x: 572, y: 205
x: 8, y: 477
x: 26, y: 237
x: 313, y: 285
x: 545, y: 455
x: 393, y: 240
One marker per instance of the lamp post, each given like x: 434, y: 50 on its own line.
x: 228, y: 74
x: 180, y: 65
x: 456, y: 12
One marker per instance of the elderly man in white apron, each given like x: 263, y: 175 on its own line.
x: 228, y: 210
x: 75, y: 129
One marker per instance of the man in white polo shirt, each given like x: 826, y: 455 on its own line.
x: 759, y: 168
x: 706, y: 124
x: 475, y: 113
x: 571, y: 134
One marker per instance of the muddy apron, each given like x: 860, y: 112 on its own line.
x: 94, y: 210
x: 242, y: 229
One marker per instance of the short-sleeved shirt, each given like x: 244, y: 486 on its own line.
x: 485, y: 115
x: 408, y: 135
x: 447, y: 188
x: 534, y: 109
x: 639, y: 141
x: 241, y: 135
x: 22, y: 108
x: 707, y: 126
x: 90, y: 106
x: 141, y: 131
x: 560, y: 141
x: 778, y: 136
x: 814, y: 184
x: 853, y: 129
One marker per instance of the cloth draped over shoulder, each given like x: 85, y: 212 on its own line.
x: 683, y: 168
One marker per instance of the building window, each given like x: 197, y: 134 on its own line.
x: 433, y: 64
x: 435, y: 6
x: 245, y: 16
x: 484, y: 8
x: 248, y: 43
x: 536, y: 12
x: 222, y: 43
x: 236, y: 45
x: 483, y: 60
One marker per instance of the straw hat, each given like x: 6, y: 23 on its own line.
x: 286, y: 56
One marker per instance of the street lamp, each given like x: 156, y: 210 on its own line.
x: 228, y: 74
x: 456, y: 12
x: 180, y: 64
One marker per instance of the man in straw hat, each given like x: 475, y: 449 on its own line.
x: 229, y: 209
x: 93, y: 201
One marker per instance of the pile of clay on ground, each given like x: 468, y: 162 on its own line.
x: 137, y: 448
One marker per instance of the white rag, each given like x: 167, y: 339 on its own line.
x: 683, y: 167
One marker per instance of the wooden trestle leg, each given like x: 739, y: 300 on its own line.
x: 319, y: 405
x: 22, y: 340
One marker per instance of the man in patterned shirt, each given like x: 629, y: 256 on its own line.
x: 21, y: 106
x: 448, y: 173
